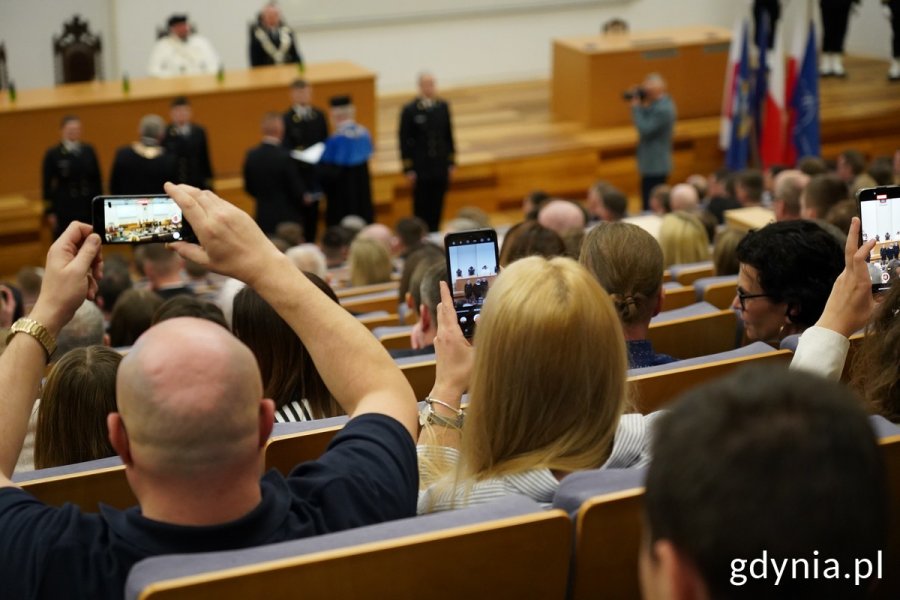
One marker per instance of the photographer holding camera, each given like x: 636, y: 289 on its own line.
x: 653, y: 113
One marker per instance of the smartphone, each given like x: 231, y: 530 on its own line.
x: 879, y: 215
x: 472, y: 266
x: 139, y: 220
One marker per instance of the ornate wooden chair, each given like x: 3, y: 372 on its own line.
x: 77, y: 53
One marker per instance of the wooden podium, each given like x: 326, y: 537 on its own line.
x: 231, y: 111
x: 590, y: 73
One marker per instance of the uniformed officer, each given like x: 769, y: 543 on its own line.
x: 304, y: 126
x: 71, y: 178
x: 187, y: 142
x: 427, y: 150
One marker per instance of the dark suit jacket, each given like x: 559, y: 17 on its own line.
x: 426, y: 138
x: 300, y: 134
x: 272, y: 178
x: 70, y: 181
x: 191, y: 153
x: 134, y: 174
x: 258, y: 55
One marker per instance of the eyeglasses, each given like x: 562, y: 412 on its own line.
x: 744, y: 296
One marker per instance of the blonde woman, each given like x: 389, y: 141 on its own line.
x: 683, y: 239
x: 370, y: 262
x: 546, y: 383
x: 628, y: 263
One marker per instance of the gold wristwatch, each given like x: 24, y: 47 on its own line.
x: 35, y: 330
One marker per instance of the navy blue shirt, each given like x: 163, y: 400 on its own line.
x: 641, y: 354
x: 368, y: 475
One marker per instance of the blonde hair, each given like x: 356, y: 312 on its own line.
x: 548, y: 386
x: 683, y: 239
x: 628, y: 263
x: 369, y: 261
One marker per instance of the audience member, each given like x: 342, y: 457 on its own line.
x: 684, y: 197
x: 473, y: 213
x: 841, y: 213
x: 189, y: 306
x: 881, y: 171
x: 786, y: 194
x: 606, y: 203
x: 369, y: 262
x: 187, y: 141
x: 191, y: 424
x: 661, y: 199
x: 721, y: 194
x: 335, y: 245
x: 628, y: 263
x: 786, y: 273
x: 425, y: 295
x: 821, y: 194
x: 533, y: 202
x: 812, y: 166
x: 290, y: 232
x: 304, y: 127
x: 851, y: 169
x: 427, y: 253
x: 143, y: 167
x: 725, y: 261
x: 272, y: 178
x: 749, y: 187
x: 427, y: 150
x: 700, y: 184
x: 131, y: 316
x: 683, y: 239
x: 271, y: 41
x: 527, y: 424
x: 353, y: 224
x: 289, y: 376
x: 28, y: 280
x: 344, y: 165
x: 380, y: 233
x: 309, y: 258
x: 529, y: 238
x: 182, y: 52
x: 763, y: 466
x: 86, y: 328
x: 561, y: 216
x: 71, y: 178
x: 163, y: 269
x: 114, y: 282
x: 410, y: 235
x: 76, y: 398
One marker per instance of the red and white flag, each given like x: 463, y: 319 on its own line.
x: 773, y: 129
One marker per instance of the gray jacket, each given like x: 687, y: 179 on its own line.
x: 655, y: 123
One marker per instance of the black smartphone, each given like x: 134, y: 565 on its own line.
x: 140, y: 220
x: 879, y: 215
x: 472, y: 266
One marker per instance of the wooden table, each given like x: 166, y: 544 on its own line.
x: 230, y: 110
x: 591, y: 72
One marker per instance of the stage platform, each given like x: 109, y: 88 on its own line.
x: 509, y: 143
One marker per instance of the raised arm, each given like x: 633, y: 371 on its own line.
x: 73, y: 266
x: 353, y: 364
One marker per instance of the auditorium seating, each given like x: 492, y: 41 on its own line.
x: 719, y: 290
x: 396, y: 337
x: 687, y: 273
x: 695, y: 330
x: 293, y: 443
x: 677, y: 295
x: 419, y: 371
x: 651, y: 388
x: 384, y: 300
x: 487, y: 551
x: 378, y: 318
x: 360, y: 290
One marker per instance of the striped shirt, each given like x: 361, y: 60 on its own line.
x: 294, y: 411
x: 631, y: 449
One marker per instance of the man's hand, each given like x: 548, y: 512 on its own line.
x: 455, y: 355
x: 231, y: 243
x: 74, y: 264
x: 851, y: 304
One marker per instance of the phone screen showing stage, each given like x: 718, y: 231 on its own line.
x: 140, y: 220
x: 472, y: 263
x: 879, y: 212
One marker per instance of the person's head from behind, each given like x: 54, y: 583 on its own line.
x: 190, y: 416
x: 841, y: 214
x: 812, y: 166
x: 876, y: 365
x: 661, y: 199
x: 272, y: 126
x: 821, y: 194
x: 881, y: 171
x: 628, y: 263
x: 429, y: 296
x: 287, y: 370
x: 410, y: 233
x: 749, y: 186
x: 561, y: 216
x: 613, y: 205
x: 162, y: 266
x: 335, y: 243
x: 379, y: 232
x: 555, y: 401
x: 850, y: 165
x: 291, y: 232
x: 132, y: 316
x: 533, y: 202
x: 683, y: 239
x: 767, y: 464
x: 369, y: 261
x: 86, y: 328
x: 786, y: 273
x: 114, y: 283
x: 529, y: 238
x: 426, y: 253
x: 79, y: 393
x: 684, y: 197
x: 308, y: 257
x: 151, y: 129
x: 725, y: 260
x: 789, y: 185
x: 189, y: 306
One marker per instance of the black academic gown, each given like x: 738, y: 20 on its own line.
x: 259, y: 56
x: 299, y: 134
x: 191, y: 153
x: 273, y: 180
x: 70, y: 182
x: 141, y: 170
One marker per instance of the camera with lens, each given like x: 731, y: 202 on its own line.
x: 635, y: 92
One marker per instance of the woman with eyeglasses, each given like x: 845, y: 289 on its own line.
x: 787, y: 270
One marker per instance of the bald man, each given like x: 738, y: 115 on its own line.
x: 192, y: 424
x: 788, y: 188
x: 684, y: 196
x: 653, y: 114
x: 561, y: 216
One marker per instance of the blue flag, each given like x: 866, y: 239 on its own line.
x: 738, y: 153
x: 805, y: 102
